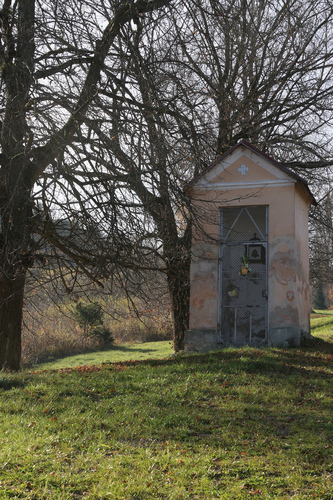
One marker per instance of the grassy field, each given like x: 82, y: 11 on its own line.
x: 234, y: 424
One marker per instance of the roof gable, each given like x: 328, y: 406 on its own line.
x: 244, y: 166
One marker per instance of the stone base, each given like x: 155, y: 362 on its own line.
x: 289, y: 336
x: 208, y: 340
x: 201, y: 340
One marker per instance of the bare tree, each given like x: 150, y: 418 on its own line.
x: 265, y: 68
x: 207, y: 75
x: 52, y: 60
x: 265, y: 71
x: 321, y: 238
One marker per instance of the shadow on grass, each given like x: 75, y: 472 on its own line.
x: 7, y: 385
x: 266, y: 361
x: 317, y: 344
x: 113, y: 348
x: 316, y: 357
x: 124, y: 348
x: 328, y: 323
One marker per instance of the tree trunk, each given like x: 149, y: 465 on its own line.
x: 11, y: 309
x: 16, y: 256
x: 16, y: 182
x: 179, y: 299
x: 178, y: 277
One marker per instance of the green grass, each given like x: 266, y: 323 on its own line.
x: 322, y: 324
x: 234, y: 424
x: 118, y: 353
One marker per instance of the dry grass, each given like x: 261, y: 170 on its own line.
x: 52, y: 336
x: 51, y: 333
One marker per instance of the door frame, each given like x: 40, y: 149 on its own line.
x: 220, y: 268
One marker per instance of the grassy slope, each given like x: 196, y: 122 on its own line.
x: 125, y: 352
x: 234, y: 424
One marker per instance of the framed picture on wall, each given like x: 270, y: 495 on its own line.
x: 256, y: 253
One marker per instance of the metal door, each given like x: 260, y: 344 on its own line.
x: 243, y: 311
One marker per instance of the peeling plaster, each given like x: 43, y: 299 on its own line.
x: 204, y: 288
x: 287, y: 315
x: 283, y: 267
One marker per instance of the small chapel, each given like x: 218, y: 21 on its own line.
x: 250, y: 253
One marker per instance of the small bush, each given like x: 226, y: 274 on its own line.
x: 90, y: 318
x: 102, y: 334
x: 88, y: 315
